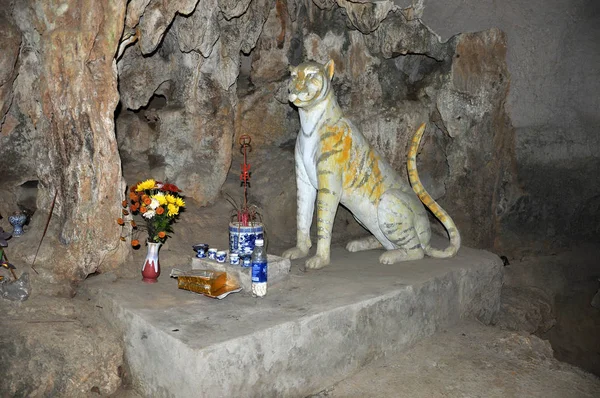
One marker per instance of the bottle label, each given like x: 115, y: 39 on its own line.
x: 259, y: 272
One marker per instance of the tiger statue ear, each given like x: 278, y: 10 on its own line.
x: 329, y: 68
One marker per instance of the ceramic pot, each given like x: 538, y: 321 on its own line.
x: 242, y: 238
x: 17, y: 220
x: 151, y: 268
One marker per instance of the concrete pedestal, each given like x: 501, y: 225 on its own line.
x: 310, y: 331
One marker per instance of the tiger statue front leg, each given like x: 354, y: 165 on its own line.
x: 327, y: 193
x: 305, y: 194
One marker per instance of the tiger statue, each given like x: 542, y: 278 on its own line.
x: 335, y: 164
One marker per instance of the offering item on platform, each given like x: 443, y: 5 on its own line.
x: 215, y: 284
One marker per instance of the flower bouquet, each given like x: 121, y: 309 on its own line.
x: 159, y: 204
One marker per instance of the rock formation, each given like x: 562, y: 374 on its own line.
x: 193, y: 75
x: 60, y: 127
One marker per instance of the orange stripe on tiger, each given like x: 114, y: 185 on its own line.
x: 336, y: 138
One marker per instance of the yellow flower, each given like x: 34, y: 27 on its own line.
x: 173, y: 210
x: 170, y: 198
x: 179, y: 202
x: 148, y: 184
x: 161, y: 198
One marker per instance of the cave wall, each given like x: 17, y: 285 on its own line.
x: 553, y: 104
x: 392, y: 73
x: 193, y: 75
x: 189, y: 53
x: 57, y: 133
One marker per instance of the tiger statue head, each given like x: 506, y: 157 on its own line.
x: 310, y: 83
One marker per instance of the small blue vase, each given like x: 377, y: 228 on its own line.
x: 17, y: 220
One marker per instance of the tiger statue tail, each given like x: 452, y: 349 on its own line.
x: 428, y: 201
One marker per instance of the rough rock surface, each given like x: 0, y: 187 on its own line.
x: 9, y: 50
x: 471, y: 360
x: 552, y: 104
x: 195, y: 68
x: 64, y: 101
x: 392, y: 73
x: 185, y: 102
x: 556, y: 290
x: 58, y: 347
x: 388, y: 82
x: 13, y: 143
x: 525, y: 309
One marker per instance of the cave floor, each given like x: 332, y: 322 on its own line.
x: 470, y: 360
x: 465, y: 360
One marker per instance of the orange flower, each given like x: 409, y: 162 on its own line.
x: 120, y: 221
x: 134, y: 207
x: 135, y: 243
x: 143, y: 209
x: 133, y: 196
x: 147, y: 201
x: 162, y: 234
x: 133, y: 188
x: 125, y: 212
x: 124, y: 203
x: 144, y: 197
x: 133, y: 224
x: 160, y: 210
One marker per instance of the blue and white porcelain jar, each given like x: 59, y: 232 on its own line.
x: 17, y: 220
x: 242, y: 238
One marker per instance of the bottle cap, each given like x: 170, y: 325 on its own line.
x: 259, y: 242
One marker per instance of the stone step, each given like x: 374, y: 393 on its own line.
x: 310, y: 331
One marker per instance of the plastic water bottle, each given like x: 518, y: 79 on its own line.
x: 259, y: 269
